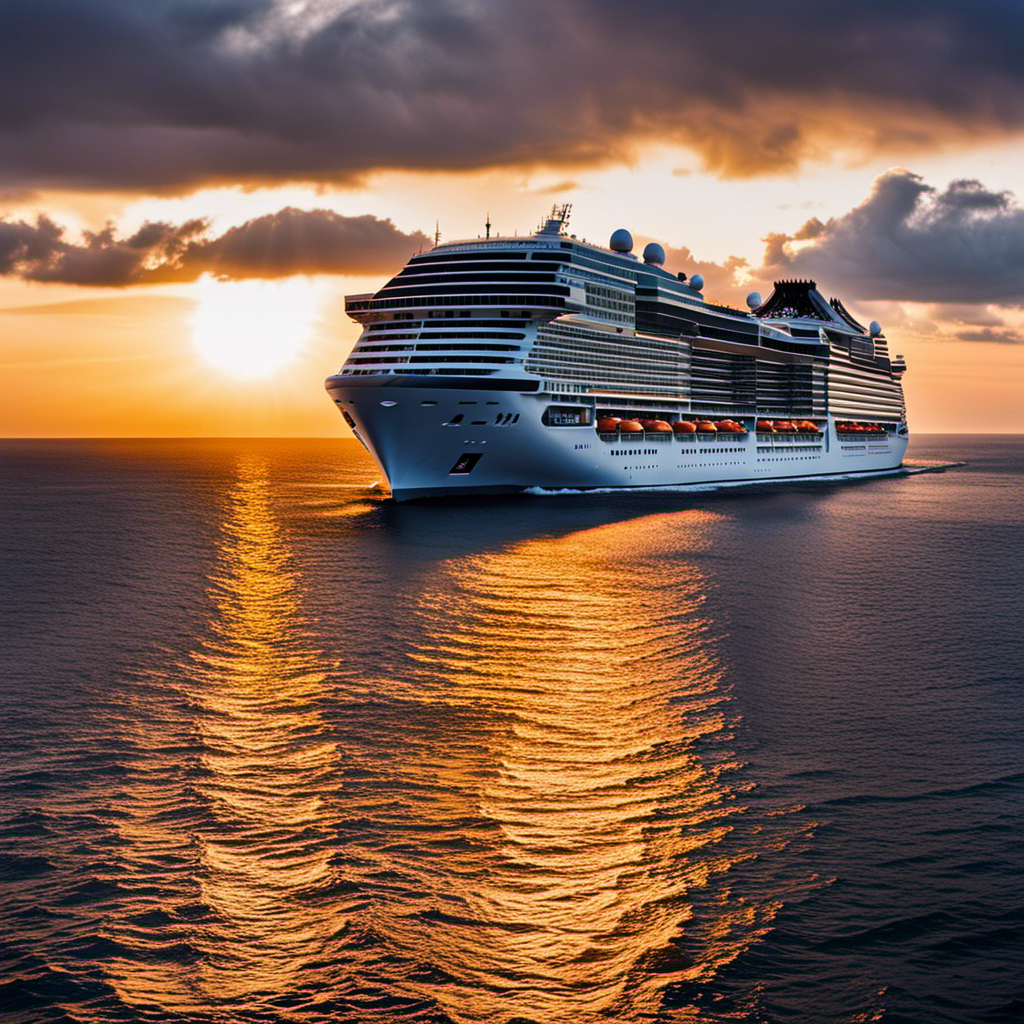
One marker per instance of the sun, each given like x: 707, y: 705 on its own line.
x: 249, y: 329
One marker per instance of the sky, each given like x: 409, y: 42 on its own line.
x: 189, y: 189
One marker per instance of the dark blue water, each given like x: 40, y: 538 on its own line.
x: 277, y: 749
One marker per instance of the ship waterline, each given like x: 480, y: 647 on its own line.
x: 503, y: 365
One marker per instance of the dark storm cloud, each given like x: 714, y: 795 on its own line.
x: 280, y: 244
x: 1005, y: 337
x: 40, y: 252
x: 103, y: 93
x: 305, y: 242
x: 910, y: 242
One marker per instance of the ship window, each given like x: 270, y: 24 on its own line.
x: 566, y: 416
x: 455, y: 420
x: 515, y: 419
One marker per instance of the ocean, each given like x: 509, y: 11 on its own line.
x: 275, y: 748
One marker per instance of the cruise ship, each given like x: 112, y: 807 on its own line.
x: 498, y: 365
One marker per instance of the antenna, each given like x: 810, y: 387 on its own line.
x: 437, y: 232
x: 557, y: 221
x: 488, y: 224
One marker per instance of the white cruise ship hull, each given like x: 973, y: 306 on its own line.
x: 499, y: 443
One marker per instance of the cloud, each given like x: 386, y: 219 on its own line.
x: 910, y: 242
x: 1007, y: 337
x: 724, y: 283
x: 968, y: 314
x: 162, y: 95
x: 559, y: 188
x: 280, y: 244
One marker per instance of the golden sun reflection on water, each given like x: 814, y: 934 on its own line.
x: 260, y: 790
x: 540, y: 808
x: 268, y: 756
x: 610, y: 789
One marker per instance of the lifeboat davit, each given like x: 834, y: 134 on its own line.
x: 684, y: 427
x: 608, y: 424
x: 656, y: 426
x: 630, y: 427
x: 706, y: 427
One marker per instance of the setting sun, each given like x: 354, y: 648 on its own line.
x: 249, y: 329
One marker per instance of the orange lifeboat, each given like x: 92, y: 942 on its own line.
x: 684, y: 427
x: 608, y: 424
x: 630, y: 427
x: 656, y: 426
x: 730, y: 427
x: 785, y: 427
x: 706, y: 427
x: 765, y: 426
x: 806, y: 427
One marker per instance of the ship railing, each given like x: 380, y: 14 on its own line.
x: 611, y: 436
x: 786, y: 437
x: 640, y: 435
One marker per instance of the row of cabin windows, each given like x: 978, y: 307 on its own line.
x: 479, y: 371
x: 547, y: 301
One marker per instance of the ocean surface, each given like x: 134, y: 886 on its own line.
x: 275, y: 748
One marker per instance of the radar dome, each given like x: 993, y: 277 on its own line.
x: 754, y: 300
x: 621, y: 241
x: 874, y: 328
x: 697, y: 281
x: 654, y: 253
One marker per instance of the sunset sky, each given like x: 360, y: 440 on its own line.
x: 188, y: 189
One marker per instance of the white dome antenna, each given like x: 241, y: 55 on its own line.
x: 697, y: 282
x: 654, y: 254
x: 754, y: 300
x: 621, y: 241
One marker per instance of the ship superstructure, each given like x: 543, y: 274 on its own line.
x: 502, y: 364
